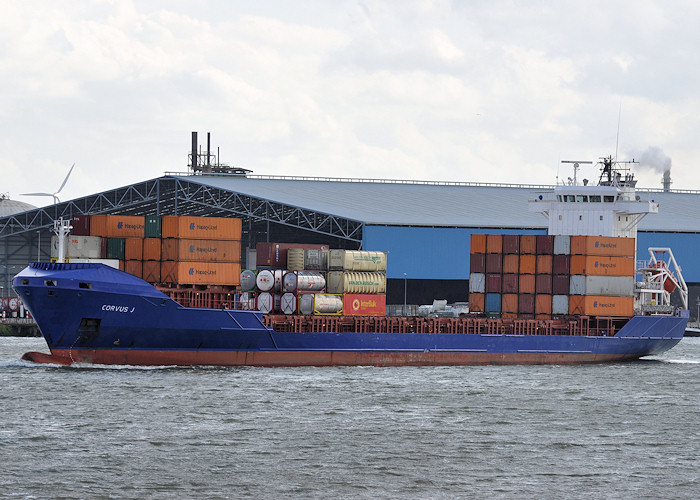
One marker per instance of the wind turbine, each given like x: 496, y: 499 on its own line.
x: 54, y: 195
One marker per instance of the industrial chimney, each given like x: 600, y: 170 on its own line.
x: 667, y: 180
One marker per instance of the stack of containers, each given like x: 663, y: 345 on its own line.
x: 117, y: 229
x: 152, y: 249
x: 359, y: 277
x: 200, y: 250
x: 543, y: 276
x: 602, y: 276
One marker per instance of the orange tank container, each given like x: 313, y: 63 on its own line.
x: 528, y: 244
x: 133, y: 248
x: 511, y: 264
x: 528, y: 264
x: 197, y: 250
x: 200, y: 273
x: 478, y: 243
x: 509, y: 303
x: 544, y: 264
x: 494, y: 243
x: 151, y: 271
x: 117, y: 226
x: 527, y: 283
x: 134, y: 267
x: 477, y: 302
x: 595, y: 305
x: 151, y: 249
x: 594, y: 265
x: 603, y: 245
x: 543, y: 304
x: 202, y: 228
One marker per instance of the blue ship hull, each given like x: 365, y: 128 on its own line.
x: 95, y: 314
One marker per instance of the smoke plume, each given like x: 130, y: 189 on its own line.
x: 655, y: 159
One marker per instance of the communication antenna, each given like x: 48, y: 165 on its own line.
x: 577, y: 165
x: 617, y: 138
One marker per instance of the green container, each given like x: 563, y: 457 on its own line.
x: 153, y: 226
x: 115, y: 248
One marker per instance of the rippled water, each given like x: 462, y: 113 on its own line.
x: 627, y: 430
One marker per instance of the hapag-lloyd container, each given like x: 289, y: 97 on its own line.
x: 595, y: 305
x: 201, y: 250
x: 204, y: 228
x: 151, y: 271
x: 201, y: 273
x: 151, y: 248
x: 594, y: 265
x: 117, y: 226
x: 620, y: 286
x: 603, y: 245
x: 133, y: 248
x: 134, y: 267
x: 357, y: 260
x: 477, y: 243
x: 364, y: 304
x: 494, y: 243
x: 340, y: 282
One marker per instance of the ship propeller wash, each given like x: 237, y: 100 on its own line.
x: 575, y: 295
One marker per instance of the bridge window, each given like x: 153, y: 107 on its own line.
x: 595, y: 198
x: 570, y: 198
x: 608, y: 199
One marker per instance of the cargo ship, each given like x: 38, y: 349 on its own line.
x: 575, y: 295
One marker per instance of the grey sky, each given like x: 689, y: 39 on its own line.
x: 489, y: 91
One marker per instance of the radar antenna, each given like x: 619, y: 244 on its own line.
x: 577, y: 165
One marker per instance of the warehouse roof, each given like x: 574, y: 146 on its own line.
x: 436, y: 203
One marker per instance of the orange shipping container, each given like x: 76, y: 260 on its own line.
x: 151, y: 249
x: 203, y: 228
x: 527, y: 283
x: 117, y: 226
x: 151, y: 271
x: 133, y: 249
x: 477, y: 302
x: 134, y: 267
x: 511, y: 264
x: 509, y: 303
x: 603, y: 245
x: 364, y: 305
x: 576, y: 304
x: 200, y: 273
x: 201, y: 250
x: 608, y: 306
x: 494, y: 243
x: 527, y: 264
x: 543, y: 304
x: 544, y: 264
x: 602, y: 266
x: 478, y: 243
x: 528, y: 243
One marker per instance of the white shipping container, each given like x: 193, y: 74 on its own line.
x: 616, y: 286
x: 477, y: 283
x: 560, y: 304
x: 316, y: 259
x: 356, y: 282
x: 562, y: 245
x: 79, y: 247
x: 357, y: 260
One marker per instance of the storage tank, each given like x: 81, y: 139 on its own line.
x: 327, y: 304
x: 248, y: 279
x: 265, y: 280
x: 303, y: 281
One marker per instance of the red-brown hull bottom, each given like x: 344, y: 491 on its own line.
x: 313, y: 358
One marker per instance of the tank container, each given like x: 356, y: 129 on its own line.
x: 509, y: 283
x: 327, y: 304
x: 477, y: 263
x: 494, y: 243
x: 477, y: 243
x: 265, y: 280
x: 268, y: 303
x: 562, y: 244
x: 357, y: 260
x: 306, y: 303
x: 248, y: 279
x: 288, y: 303
x: 511, y: 244
x: 494, y: 263
x: 477, y: 283
x: 560, y: 304
x: 545, y: 244
x: 356, y: 282
x: 303, y: 281
x: 247, y: 301
x: 528, y: 244
x: 493, y: 302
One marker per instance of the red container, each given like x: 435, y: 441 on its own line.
x: 509, y: 303
x: 543, y: 284
x: 477, y: 302
x: 151, y: 249
x: 560, y: 264
x: 528, y: 244
x: 275, y: 254
x: 560, y: 284
x: 494, y: 263
x: 545, y: 244
x: 511, y: 243
x: 355, y: 304
x: 528, y: 264
x: 81, y: 225
x: 544, y: 264
x: 511, y: 264
x: 134, y: 267
x: 493, y: 283
x: 509, y: 284
x: 543, y: 304
x: 133, y: 248
x: 494, y: 243
x: 477, y: 263
x: 151, y: 271
x: 526, y: 303
x: 526, y: 283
